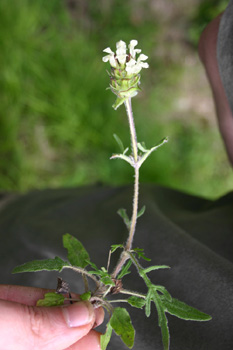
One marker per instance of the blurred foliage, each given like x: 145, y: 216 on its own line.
x: 206, y: 11
x: 56, y: 122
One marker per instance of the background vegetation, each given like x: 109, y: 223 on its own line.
x: 56, y: 120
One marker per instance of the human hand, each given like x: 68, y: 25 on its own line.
x: 23, y: 326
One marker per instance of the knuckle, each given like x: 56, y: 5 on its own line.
x: 36, y: 327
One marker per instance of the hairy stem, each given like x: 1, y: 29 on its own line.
x: 83, y: 272
x: 135, y: 210
x: 128, y: 107
x: 135, y: 294
x: 133, y: 135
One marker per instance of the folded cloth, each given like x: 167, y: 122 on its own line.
x: 194, y: 236
x: 225, y: 52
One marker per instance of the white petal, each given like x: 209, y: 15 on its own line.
x: 121, y: 51
x: 112, y: 61
x: 108, y: 50
x: 106, y: 58
x: 142, y: 57
x: 132, y: 67
x: 133, y: 51
x: 131, y: 63
x: 121, y: 44
x: 144, y: 65
x: 133, y: 43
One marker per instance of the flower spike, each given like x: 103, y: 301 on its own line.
x: 125, y: 78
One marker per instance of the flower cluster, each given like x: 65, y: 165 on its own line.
x: 125, y: 68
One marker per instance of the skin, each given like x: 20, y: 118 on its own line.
x: 208, y: 55
x: 25, y: 326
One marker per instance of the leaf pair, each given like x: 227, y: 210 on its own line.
x: 102, y: 273
x: 123, y: 214
x: 77, y: 256
x: 164, y: 303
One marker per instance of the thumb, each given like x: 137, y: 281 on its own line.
x: 27, y: 327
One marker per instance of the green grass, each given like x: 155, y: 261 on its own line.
x: 56, y: 122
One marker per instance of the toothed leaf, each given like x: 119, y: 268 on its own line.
x: 155, y: 267
x: 51, y: 299
x: 105, y: 338
x: 136, y: 302
x: 140, y: 253
x: 114, y: 247
x: 55, y: 264
x: 122, y: 325
x: 77, y: 254
x: 125, y: 270
x: 182, y: 310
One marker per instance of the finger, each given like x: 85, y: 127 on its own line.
x: 22, y: 294
x: 44, y: 328
x: 89, y: 342
x: 99, y: 316
x: 30, y: 296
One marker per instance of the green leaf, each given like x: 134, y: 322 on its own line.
x: 141, y: 212
x: 148, y: 304
x: 155, y: 267
x: 125, y: 270
x: 148, y: 152
x: 162, y: 318
x: 55, y: 264
x: 124, y: 157
x: 140, y: 253
x: 179, y: 309
x: 85, y: 296
x: 119, y: 142
x: 142, y: 147
x: 136, y: 302
x: 163, y: 290
x: 121, y: 323
x: 123, y: 214
x: 88, y: 262
x: 51, y: 299
x: 107, y: 280
x: 77, y: 254
x: 105, y: 277
x: 105, y: 338
x: 114, y: 247
x: 164, y: 328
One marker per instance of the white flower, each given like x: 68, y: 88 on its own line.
x: 121, y: 52
x: 134, y: 67
x: 133, y: 51
x: 141, y: 58
x: 110, y: 57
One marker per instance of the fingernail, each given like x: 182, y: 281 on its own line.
x: 78, y: 314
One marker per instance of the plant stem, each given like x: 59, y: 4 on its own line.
x: 133, y: 135
x: 83, y: 272
x: 128, y: 107
x: 135, y: 294
x: 135, y: 210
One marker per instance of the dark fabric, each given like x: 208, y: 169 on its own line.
x: 192, y: 235
x: 225, y: 52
